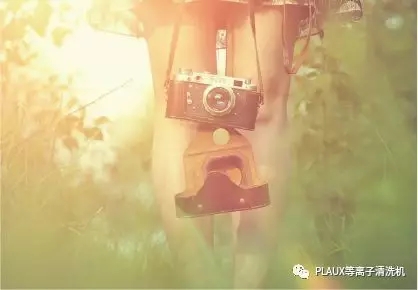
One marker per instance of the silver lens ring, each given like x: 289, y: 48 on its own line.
x: 214, y: 111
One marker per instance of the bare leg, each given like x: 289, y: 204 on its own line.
x: 195, y: 50
x: 256, y: 238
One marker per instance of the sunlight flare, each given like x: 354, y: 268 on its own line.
x: 112, y: 79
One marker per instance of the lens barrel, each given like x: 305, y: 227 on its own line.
x: 218, y: 101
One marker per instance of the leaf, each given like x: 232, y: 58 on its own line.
x: 72, y: 103
x: 14, y: 5
x: 92, y: 133
x: 14, y: 56
x: 41, y: 16
x: 101, y: 120
x: 14, y: 30
x: 70, y: 143
x: 59, y: 34
x: 67, y: 124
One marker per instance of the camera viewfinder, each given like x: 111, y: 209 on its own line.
x: 238, y: 83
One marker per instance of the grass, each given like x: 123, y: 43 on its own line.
x: 52, y: 236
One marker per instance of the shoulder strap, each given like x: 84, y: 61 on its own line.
x: 251, y: 12
x: 173, y: 45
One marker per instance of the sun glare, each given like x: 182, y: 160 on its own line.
x: 105, y: 61
x: 111, y: 75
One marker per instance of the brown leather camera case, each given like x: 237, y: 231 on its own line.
x: 220, y: 177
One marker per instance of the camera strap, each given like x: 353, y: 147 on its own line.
x: 251, y: 14
x: 173, y: 46
x: 175, y: 36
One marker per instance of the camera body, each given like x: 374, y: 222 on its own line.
x: 213, y: 99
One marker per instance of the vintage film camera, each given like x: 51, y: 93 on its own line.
x: 220, y: 176
x: 213, y: 99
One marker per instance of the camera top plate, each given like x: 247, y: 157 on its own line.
x: 209, y: 79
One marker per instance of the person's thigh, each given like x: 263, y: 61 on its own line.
x: 269, y: 141
x: 195, y: 50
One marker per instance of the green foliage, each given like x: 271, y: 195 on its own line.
x: 355, y: 151
x: 56, y: 234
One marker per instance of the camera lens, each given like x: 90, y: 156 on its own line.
x: 219, y: 101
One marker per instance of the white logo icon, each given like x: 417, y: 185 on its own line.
x: 299, y: 270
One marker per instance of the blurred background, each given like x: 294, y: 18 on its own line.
x: 77, y: 209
